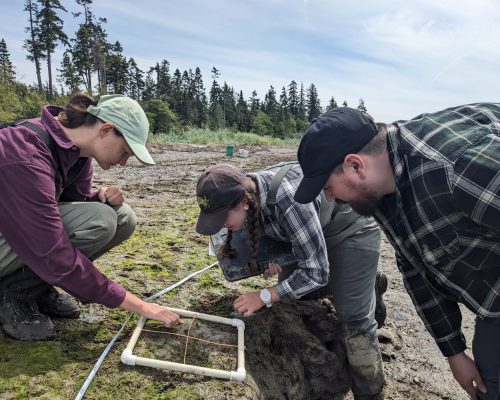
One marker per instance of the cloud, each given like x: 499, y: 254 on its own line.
x: 401, y: 58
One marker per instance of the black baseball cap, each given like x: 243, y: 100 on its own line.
x: 218, y: 190
x: 329, y: 138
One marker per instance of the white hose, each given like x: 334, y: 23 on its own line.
x: 97, y: 365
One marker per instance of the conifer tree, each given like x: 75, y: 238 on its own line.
x: 254, y: 105
x: 100, y: 50
x: 90, y: 48
x: 117, y: 70
x: 68, y: 75
x: 149, y: 87
x: 163, y: 84
x: 33, y: 44
x: 7, y: 74
x: 200, y: 100
x: 216, y: 112
x: 242, y: 114
x: 136, y: 82
x: 293, y: 99
x: 284, y: 103
x: 176, y: 91
x: 270, y: 106
x: 228, y: 105
x: 186, y: 111
x: 332, y: 104
x: 313, y: 104
x: 51, y: 32
x: 302, y: 103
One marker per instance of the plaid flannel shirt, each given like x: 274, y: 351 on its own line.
x: 444, y: 218
x: 298, y: 224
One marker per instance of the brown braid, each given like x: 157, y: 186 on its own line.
x: 253, y: 224
x: 227, y: 251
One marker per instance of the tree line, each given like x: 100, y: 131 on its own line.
x: 96, y: 65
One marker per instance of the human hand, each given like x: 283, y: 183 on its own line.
x: 466, y: 374
x: 150, y: 310
x: 272, y: 269
x: 248, y: 303
x: 112, y: 195
x: 162, y: 314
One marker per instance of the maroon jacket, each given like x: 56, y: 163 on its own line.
x: 29, y: 215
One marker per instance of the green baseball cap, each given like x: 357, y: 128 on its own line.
x: 129, y: 119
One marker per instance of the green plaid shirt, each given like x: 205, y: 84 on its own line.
x: 444, y: 218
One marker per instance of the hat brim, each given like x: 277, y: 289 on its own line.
x: 211, y: 223
x: 310, y: 187
x: 141, y: 152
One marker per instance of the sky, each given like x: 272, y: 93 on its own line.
x: 401, y: 57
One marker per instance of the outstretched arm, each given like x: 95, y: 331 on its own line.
x: 150, y: 310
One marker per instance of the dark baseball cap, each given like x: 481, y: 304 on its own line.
x: 218, y: 190
x: 329, y: 138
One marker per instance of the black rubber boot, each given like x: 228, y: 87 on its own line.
x: 57, y: 304
x: 380, y: 289
x: 19, y: 313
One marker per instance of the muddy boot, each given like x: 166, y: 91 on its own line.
x: 365, y: 364
x: 58, y: 304
x: 380, y: 289
x: 19, y: 313
x: 23, y: 321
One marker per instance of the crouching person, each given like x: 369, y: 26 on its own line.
x: 52, y: 225
x: 336, y: 258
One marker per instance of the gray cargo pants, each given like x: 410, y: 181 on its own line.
x: 93, y: 228
x: 353, y: 245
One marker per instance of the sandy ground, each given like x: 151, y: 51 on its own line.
x: 282, y: 360
x: 414, y: 367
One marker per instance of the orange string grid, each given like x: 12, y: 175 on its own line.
x: 238, y: 374
x: 191, y: 337
x: 188, y: 336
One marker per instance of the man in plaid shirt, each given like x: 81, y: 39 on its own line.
x: 433, y: 184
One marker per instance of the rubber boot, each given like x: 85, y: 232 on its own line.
x: 366, y: 366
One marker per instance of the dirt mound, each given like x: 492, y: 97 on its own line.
x: 293, y: 352
x: 293, y: 349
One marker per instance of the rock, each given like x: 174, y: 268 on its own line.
x: 385, y: 335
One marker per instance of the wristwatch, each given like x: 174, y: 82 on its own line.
x: 265, y: 296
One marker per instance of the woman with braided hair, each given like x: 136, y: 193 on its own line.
x: 349, y: 244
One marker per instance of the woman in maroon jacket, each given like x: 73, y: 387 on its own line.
x: 51, y: 223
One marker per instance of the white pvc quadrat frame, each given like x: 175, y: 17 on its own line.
x: 239, y: 375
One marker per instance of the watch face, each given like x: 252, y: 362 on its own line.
x: 265, y: 295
